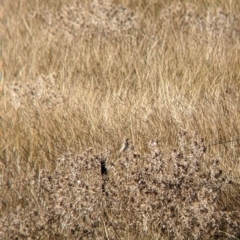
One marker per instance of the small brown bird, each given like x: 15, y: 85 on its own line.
x: 153, y: 143
x: 124, y: 146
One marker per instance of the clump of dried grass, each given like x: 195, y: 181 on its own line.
x: 171, y: 196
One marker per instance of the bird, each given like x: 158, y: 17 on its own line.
x: 124, y: 147
x: 153, y: 143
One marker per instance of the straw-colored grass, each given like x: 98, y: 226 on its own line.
x: 79, y: 77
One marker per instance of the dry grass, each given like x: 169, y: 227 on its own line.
x: 87, y: 75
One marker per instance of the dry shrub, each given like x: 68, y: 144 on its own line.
x: 171, y: 196
x: 79, y: 20
x: 215, y: 29
x: 186, y: 19
x: 42, y: 91
x: 63, y: 203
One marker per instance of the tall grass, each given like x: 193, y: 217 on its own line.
x: 86, y: 75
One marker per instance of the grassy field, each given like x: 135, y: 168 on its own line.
x: 79, y: 78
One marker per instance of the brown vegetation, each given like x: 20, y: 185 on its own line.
x: 84, y: 75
